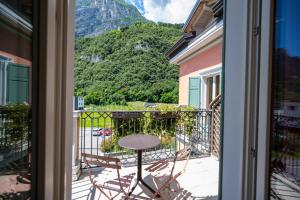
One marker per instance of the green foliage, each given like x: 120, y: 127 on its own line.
x: 15, y: 124
x: 163, y: 122
x: 133, y: 106
x: 127, y: 65
x: 167, y: 141
x: 110, y: 144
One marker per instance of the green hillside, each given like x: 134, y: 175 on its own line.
x: 127, y: 65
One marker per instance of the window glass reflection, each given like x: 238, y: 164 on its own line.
x: 285, y: 135
x: 15, y: 99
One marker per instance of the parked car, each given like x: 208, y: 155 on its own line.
x: 96, y: 131
x: 105, y: 132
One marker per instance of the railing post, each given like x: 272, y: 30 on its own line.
x: 211, y: 131
x: 75, y: 146
x: 179, y: 133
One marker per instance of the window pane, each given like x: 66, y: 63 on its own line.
x: 285, y: 132
x: 15, y: 99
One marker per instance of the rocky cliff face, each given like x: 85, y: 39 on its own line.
x: 139, y: 4
x: 94, y: 17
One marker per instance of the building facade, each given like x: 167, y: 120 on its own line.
x: 15, y: 54
x: 199, y: 55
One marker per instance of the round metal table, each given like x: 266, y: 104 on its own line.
x: 139, y: 142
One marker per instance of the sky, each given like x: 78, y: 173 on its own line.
x: 287, y: 26
x: 170, y: 11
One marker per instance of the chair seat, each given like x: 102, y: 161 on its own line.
x: 165, y: 176
x: 158, y: 166
x: 112, y: 182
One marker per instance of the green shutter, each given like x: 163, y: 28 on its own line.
x: 17, y: 83
x: 194, y: 92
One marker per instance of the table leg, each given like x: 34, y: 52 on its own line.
x: 132, y: 189
x: 139, y: 171
x: 139, y: 176
x: 139, y: 165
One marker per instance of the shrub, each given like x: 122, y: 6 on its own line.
x: 109, y: 145
x: 167, y: 141
x: 16, y: 124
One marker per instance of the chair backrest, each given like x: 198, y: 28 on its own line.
x: 107, y: 162
x: 183, y: 154
x: 102, y: 161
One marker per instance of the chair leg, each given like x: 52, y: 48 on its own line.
x: 153, y: 196
x: 163, y: 187
x: 102, y: 191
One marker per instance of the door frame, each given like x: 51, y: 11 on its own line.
x: 207, y: 73
x: 247, y: 99
x: 241, y: 69
x: 264, y: 127
x: 53, y: 61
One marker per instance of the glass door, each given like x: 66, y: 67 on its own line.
x: 284, y: 173
x: 209, y: 91
x: 16, y: 159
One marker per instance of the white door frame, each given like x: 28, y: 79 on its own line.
x: 247, y: 97
x: 204, y: 75
x: 239, y: 123
x: 262, y: 180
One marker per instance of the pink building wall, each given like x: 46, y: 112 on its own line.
x: 192, y: 67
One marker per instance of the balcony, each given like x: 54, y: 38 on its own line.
x: 200, y: 181
x: 98, y: 132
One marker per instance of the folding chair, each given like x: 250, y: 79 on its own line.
x: 166, y: 180
x: 118, y: 185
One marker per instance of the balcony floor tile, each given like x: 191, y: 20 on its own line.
x: 200, y: 181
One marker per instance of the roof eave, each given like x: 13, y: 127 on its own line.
x: 15, y: 20
x: 181, y: 42
x: 191, y: 15
x: 208, y: 37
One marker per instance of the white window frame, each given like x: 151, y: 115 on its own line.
x: 204, y: 75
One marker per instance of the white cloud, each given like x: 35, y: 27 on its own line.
x: 171, y: 11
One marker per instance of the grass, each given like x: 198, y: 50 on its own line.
x: 95, y: 120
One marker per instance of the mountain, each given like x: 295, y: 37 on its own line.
x: 139, y: 4
x: 95, y: 17
x: 287, y: 84
x: 127, y: 65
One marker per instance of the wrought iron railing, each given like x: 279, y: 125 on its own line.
x: 286, y: 147
x: 100, y: 131
x: 15, y: 137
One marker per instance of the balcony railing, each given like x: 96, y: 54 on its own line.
x: 285, y: 147
x: 99, y: 132
x: 15, y: 137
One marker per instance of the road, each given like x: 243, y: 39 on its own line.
x: 90, y: 143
